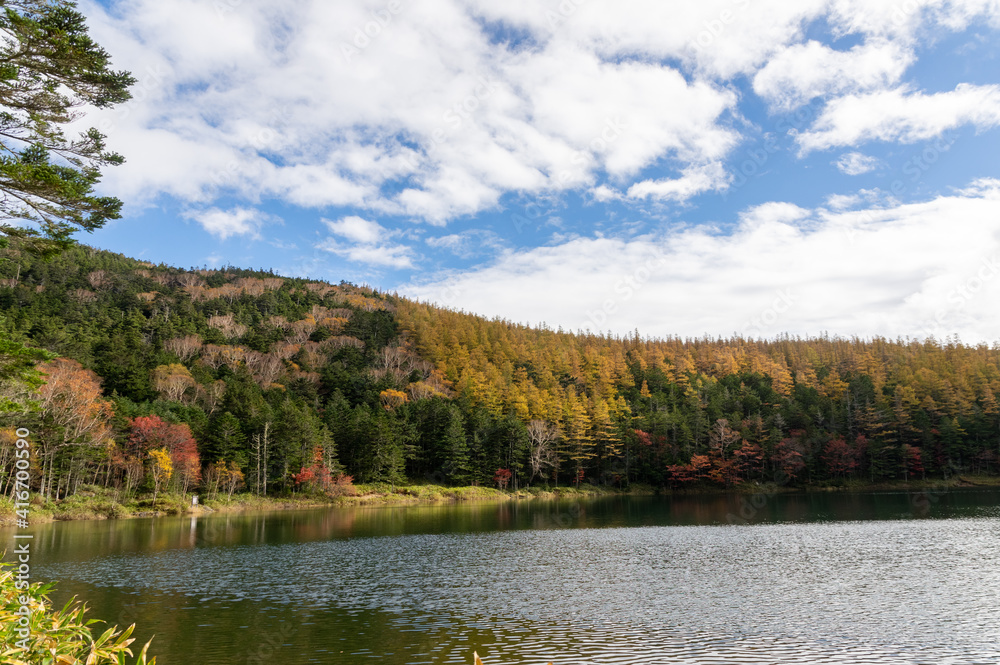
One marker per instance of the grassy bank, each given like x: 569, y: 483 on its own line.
x: 383, y: 493
x: 100, y: 503
x: 964, y: 481
x: 96, y: 503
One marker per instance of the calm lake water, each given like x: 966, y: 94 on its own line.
x: 817, y: 578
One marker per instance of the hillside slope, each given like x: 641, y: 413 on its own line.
x: 246, y: 376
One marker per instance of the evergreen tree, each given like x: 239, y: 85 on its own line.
x: 50, y: 67
x: 225, y: 440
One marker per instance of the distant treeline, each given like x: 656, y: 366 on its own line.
x: 215, y: 379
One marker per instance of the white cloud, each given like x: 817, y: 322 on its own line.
x: 842, y: 201
x: 907, y: 21
x: 428, y: 118
x: 855, y: 163
x: 227, y: 223
x: 390, y: 256
x: 899, y: 115
x: 603, y: 194
x: 805, y: 71
x: 475, y: 242
x: 316, y: 115
x: 356, y: 229
x: 777, y: 213
x: 784, y: 269
x: 693, y: 181
x: 981, y: 187
x: 365, y: 241
x: 862, y: 196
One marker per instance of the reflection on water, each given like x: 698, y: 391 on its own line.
x: 624, y: 580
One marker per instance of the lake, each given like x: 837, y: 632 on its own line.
x: 789, y: 578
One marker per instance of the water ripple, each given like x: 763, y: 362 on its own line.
x: 867, y: 592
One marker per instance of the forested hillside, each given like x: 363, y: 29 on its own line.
x: 672, y: 411
x: 217, y: 379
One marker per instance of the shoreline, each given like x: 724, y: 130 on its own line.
x: 103, y: 504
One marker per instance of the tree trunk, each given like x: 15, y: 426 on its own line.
x: 267, y: 427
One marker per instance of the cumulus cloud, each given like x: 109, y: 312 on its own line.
x: 357, y: 230
x: 224, y: 224
x: 427, y: 116
x: 805, y: 71
x: 364, y: 241
x: 693, y: 181
x: 862, y: 196
x: 423, y: 117
x: 901, y: 115
x: 907, y: 21
x: 855, y: 163
x: 784, y: 269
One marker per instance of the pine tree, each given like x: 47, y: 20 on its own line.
x: 51, y: 67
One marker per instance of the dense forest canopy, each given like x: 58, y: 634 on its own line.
x: 159, y: 378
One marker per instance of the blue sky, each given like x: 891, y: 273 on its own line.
x: 732, y: 167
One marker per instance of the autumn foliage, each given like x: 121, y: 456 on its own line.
x: 319, y: 478
x: 223, y: 477
x: 502, y: 478
x: 235, y: 372
x: 75, y: 414
x: 150, y: 432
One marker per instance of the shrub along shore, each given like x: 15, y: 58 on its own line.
x: 96, y: 503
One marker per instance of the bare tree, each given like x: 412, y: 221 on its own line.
x: 266, y: 368
x: 301, y: 330
x: 185, y: 348
x: 273, y: 283
x: 98, y: 279
x: 543, y: 436
x: 187, y: 280
x: 258, y: 443
x: 172, y: 381
x: 211, y: 394
x: 211, y: 355
x: 250, y: 285
x: 227, y: 324
x: 721, y: 437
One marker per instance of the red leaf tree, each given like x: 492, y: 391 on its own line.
x: 74, y: 414
x: 839, y: 458
x: 912, y: 461
x: 749, y: 459
x: 318, y: 478
x: 149, y: 432
x: 787, y: 458
x: 502, y: 477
